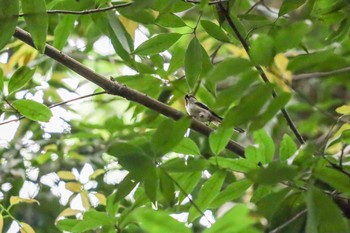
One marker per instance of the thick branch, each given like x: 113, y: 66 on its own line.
x: 261, y: 71
x: 85, y: 12
x: 300, y: 77
x: 115, y: 88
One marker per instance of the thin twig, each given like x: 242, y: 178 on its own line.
x: 261, y: 71
x: 210, y: 3
x: 253, y: 6
x: 183, y: 191
x: 54, y: 105
x: 115, y: 88
x: 341, y: 157
x: 277, y: 229
x: 84, y: 12
x: 300, y: 77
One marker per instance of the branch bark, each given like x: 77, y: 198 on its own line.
x: 261, y: 71
x: 115, y: 88
x: 300, y: 77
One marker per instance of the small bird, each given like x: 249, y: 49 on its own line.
x: 202, y: 113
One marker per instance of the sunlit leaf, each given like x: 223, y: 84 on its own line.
x: 214, y: 30
x: 33, y: 110
x: 68, y: 212
x: 287, y: 147
x: 66, y: 175
x: 157, y: 44
x: 26, y: 228
x: 74, y: 187
x: 14, y: 200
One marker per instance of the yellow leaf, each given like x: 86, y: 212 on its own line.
x: 67, y: 212
x: 74, y: 187
x: 1, y: 222
x: 85, y: 199
x: 26, y: 228
x: 97, y: 173
x: 344, y: 110
x: 14, y: 200
x: 101, y: 198
x: 66, y: 175
x: 129, y: 25
x: 281, y: 61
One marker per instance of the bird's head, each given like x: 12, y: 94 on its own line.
x: 190, y: 98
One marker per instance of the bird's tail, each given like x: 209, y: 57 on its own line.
x: 217, y: 121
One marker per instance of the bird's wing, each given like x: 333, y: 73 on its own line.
x: 206, y: 107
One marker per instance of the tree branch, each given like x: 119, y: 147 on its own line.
x: 261, y: 72
x: 115, y: 88
x: 85, y: 12
x: 300, y: 77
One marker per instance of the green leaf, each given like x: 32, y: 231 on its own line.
x: 187, y: 147
x: 320, y: 221
x: 63, y: 29
x: 334, y: 178
x: 208, y: 192
x: 170, y: 20
x: 92, y: 219
x: 237, y: 219
x: 157, y: 44
x: 169, y: 134
x: 158, y: 221
x: 249, y: 106
x: 262, y: 50
x: 287, y: 148
x: 67, y: 224
x: 37, y: 21
x: 238, y: 165
x: 266, y: 146
x: 274, y: 173
x: 166, y: 187
x: 8, y: 20
x: 124, y: 188
x: 272, y: 109
x: 187, y: 181
x: 214, y: 30
x: 20, y: 78
x: 188, y: 165
x: 193, y: 62
x: 290, y: 36
x: 229, y: 67
x: 290, y: 5
x: 219, y: 138
x: 33, y: 110
x: 231, y: 192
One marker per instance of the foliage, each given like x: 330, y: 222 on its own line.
x: 110, y: 164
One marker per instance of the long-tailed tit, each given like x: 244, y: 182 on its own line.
x: 202, y: 113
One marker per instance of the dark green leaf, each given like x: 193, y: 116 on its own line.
x: 262, y: 50
x: 231, y: 192
x: 125, y: 187
x: 188, y: 147
x: 237, y: 219
x: 158, y: 221
x: 170, y: 20
x: 1, y: 81
x: 272, y: 109
x: 287, y: 148
x: 290, y: 5
x: 219, y: 138
x: 37, y: 21
x: 334, y: 178
x: 320, y: 221
x: 8, y: 20
x: 228, y: 67
x: 169, y: 134
x: 33, y: 110
x: 214, y: 30
x: 20, y: 78
x: 208, y: 192
x: 166, y: 187
x: 249, y: 106
x: 157, y: 44
x: 274, y: 173
x: 193, y: 62
x: 187, y: 181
